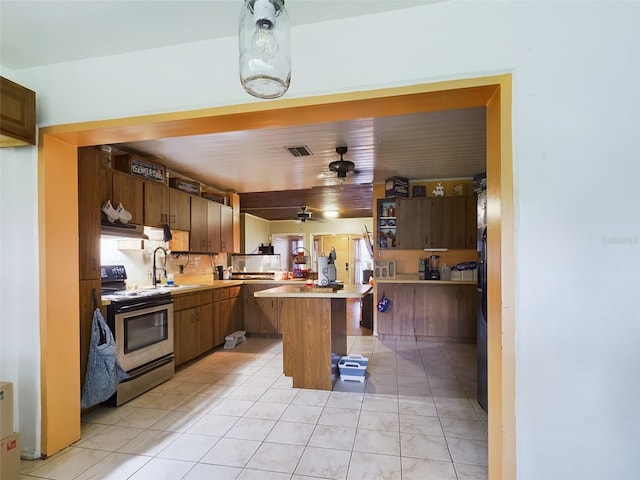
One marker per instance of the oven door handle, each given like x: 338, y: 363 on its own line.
x: 140, y: 305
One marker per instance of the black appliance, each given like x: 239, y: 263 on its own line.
x: 265, y: 249
x: 480, y: 188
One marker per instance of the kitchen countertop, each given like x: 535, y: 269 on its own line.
x: 413, y: 278
x: 295, y: 284
x: 203, y: 286
x: 301, y: 291
x: 428, y: 282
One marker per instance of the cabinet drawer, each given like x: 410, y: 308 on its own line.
x: 220, y: 294
x: 226, y: 293
x: 181, y: 302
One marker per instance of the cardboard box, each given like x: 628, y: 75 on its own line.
x: 396, y: 187
x: 6, y: 409
x: 10, y: 457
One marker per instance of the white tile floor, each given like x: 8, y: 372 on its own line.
x: 233, y: 415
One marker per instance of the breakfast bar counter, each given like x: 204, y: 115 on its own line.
x: 314, y: 331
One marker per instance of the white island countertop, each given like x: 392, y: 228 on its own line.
x: 298, y: 291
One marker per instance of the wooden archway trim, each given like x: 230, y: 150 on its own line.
x: 57, y: 182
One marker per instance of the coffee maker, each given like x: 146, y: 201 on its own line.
x: 433, y: 272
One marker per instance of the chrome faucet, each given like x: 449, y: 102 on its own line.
x: 164, y: 269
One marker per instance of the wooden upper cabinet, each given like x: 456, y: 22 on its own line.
x: 454, y: 222
x: 156, y: 204
x: 18, y: 114
x: 128, y: 190
x: 213, y: 226
x: 198, y: 232
x: 471, y: 226
x: 89, y: 212
x: 179, y: 210
x: 436, y: 222
x: 226, y: 229
x: 410, y: 217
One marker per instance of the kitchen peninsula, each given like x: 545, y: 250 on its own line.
x: 314, y: 331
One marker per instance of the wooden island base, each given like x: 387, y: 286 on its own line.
x: 314, y: 332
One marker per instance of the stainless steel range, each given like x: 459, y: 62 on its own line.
x: 142, y: 324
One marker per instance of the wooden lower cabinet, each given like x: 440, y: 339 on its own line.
x: 227, y: 313
x: 88, y: 288
x: 445, y: 312
x: 398, y: 319
x: 260, y: 315
x: 193, y: 326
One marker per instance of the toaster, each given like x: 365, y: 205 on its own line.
x: 384, y: 269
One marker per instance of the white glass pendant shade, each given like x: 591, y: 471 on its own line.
x: 265, y: 48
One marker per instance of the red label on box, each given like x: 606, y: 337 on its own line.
x: 12, y: 444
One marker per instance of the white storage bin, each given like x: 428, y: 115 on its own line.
x: 353, y: 367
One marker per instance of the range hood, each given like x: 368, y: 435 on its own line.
x: 121, y: 230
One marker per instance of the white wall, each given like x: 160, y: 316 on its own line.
x: 19, y: 316
x: 576, y: 110
x: 253, y: 232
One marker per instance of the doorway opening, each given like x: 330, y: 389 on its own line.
x: 58, y: 188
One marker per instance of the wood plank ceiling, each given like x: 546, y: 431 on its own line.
x: 274, y: 184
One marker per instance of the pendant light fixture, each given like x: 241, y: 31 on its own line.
x: 265, y: 48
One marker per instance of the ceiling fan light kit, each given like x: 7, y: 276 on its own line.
x: 265, y: 48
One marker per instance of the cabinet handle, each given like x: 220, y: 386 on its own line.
x: 172, y: 219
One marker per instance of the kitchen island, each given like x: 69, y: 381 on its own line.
x: 314, y: 331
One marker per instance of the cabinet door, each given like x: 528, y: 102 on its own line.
x: 269, y: 310
x: 213, y: 226
x: 18, y: 119
x: 179, y: 210
x: 205, y: 328
x: 436, y: 236
x: 409, y: 222
x: 398, y: 319
x: 87, y: 289
x: 89, y: 213
x: 127, y: 189
x: 198, y: 231
x: 435, y: 310
x: 186, y: 332
x: 464, y: 326
x: 222, y: 321
x: 235, y: 314
x: 455, y: 222
x: 471, y: 223
x: 226, y: 229
x: 156, y: 204
x: 260, y: 314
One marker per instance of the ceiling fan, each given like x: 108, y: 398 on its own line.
x: 304, y: 215
x: 342, y: 167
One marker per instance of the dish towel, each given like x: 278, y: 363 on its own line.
x: 103, y: 370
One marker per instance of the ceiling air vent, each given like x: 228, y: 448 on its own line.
x: 302, y: 151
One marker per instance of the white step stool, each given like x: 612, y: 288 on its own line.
x: 235, y: 338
